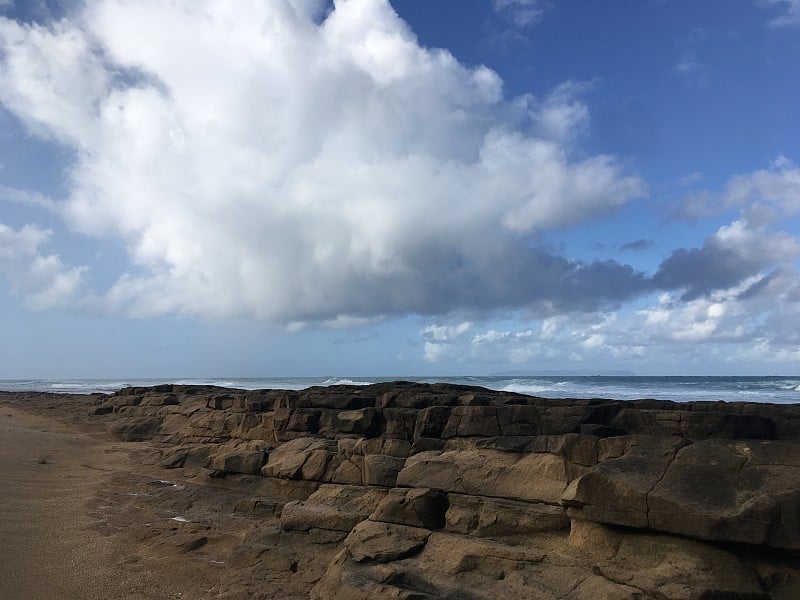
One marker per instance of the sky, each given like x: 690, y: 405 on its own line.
x: 263, y: 188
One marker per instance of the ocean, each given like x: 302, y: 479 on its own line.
x: 776, y: 389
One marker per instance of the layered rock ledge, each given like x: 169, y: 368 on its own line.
x: 415, y: 491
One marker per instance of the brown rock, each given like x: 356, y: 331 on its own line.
x: 530, y: 477
x: 468, y: 421
x: 288, y: 460
x: 416, y: 507
x: 237, y: 461
x: 134, y: 430
x: 303, y: 516
x: 431, y: 422
x: 382, y: 470
x: 384, y: 542
x: 731, y: 492
x: 491, y: 517
x: 331, y: 507
x: 363, y: 421
x: 616, y: 491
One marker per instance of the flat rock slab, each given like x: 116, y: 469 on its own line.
x: 384, y: 542
x: 484, y: 472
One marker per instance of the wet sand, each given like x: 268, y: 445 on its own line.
x: 50, y: 543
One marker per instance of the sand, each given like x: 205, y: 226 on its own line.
x: 51, y: 542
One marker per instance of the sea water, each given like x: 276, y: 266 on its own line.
x: 681, y: 389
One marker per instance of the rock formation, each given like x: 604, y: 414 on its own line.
x: 416, y: 491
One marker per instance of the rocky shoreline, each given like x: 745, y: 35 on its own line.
x: 413, y: 491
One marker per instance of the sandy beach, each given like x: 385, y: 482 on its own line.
x: 85, y: 517
x: 51, y: 545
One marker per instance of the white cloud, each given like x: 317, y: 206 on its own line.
x: 778, y: 186
x: 442, y: 340
x: 522, y: 12
x: 754, y: 323
x: 42, y: 280
x: 790, y: 16
x: 6, y: 4
x: 737, y: 296
x: 693, y: 70
x: 311, y: 10
x: 691, y: 178
x: 561, y: 116
x: 259, y: 161
x: 747, y: 247
x: 443, y: 333
x: 26, y: 197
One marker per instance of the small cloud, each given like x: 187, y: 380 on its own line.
x: 368, y: 337
x: 6, y: 4
x: 25, y: 197
x: 522, y: 12
x: 689, y: 66
x: 691, y: 178
x: 692, y: 69
x: 637, y: 246
x: 777, y: 186
x: 562, y: 116
x: 691, y: 47
x: 350, y: 322
x: 790, y: 16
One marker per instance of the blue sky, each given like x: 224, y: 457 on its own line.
x: 364, y: 187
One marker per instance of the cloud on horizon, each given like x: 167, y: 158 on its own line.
x: 753, y: 323
x: 294, y: 169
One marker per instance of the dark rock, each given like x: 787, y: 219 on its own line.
x: 426, y: 445
x: 305, y: 420
x: 134, y: 430
x: 371, y: 541
x: 363, y: 421
x: 261, y: 507
x: 472, y: 421
x: 431, y: 422
x: 730, y: 493
x: 492, y: 517
x: 601, y: 431
x: 382, y: 470
x: 616, y: 491
x: 517, y: 420
x: 416, y: 507
x: 237, y: 461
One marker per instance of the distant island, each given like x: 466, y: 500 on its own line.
x: 564, y: 373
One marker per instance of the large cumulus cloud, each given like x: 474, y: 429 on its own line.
x: 272, y: 160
